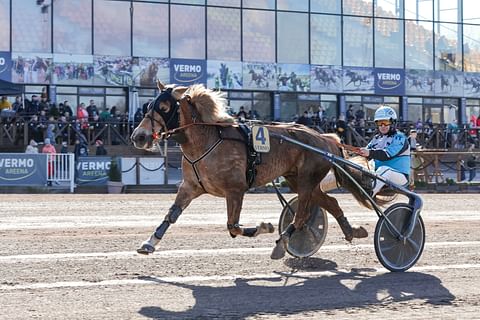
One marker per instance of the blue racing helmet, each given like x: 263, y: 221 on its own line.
x: 385, y: 113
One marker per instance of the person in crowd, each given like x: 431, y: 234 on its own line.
x: 50, y: 132
x: 145, y: 106
x: 5, y: 104
x: 67, y: 110
x: 92, y: 110
x: 471, y: 164
x: 100, y: 148
x: 49, y: 149
x: 105, y: 115
x: 64, y: 148
x: 305, y: 119
x: 81, y: 149
x: 242, y: 114
x: 17, y: 106
x: 341, y: 127
x: 389, y: 149
x: 32, y: 147
x: 137, y: 117
x: 350, y: 114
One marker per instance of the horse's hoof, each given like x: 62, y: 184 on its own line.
x: 265, y: 228
x: 359, y: 232
x: 279, y: 251
x: 146, y: 249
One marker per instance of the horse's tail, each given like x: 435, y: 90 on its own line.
x: 382, y: 198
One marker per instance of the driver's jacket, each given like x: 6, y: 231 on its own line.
x: 392, y: 150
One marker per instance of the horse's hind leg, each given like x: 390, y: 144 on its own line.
x: 331, y: 205
x: 184, y: 196
x: 234, y: 206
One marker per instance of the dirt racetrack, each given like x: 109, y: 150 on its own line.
x: 73, y: 257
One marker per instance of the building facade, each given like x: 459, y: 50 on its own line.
x: 276, y: 58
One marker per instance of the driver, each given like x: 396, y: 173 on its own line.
x: 389, y: 149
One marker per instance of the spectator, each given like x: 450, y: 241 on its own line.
x: 64, y: 148
x: 359, y: 115
x: 412, y: 140
x: 32, y: 147
x: 17, y: 106
x: 341, y: 127
x: 145, y: 106
x: 81, y: 149
x: 138, y: 117
x: 92, y: 110
x: 101, y: 151
x: 5, y: 104
x: 305, y: 119
x: 67, y: 110
x: 49, y: 149
x: 242, y: 114
x: 350, y: 114
x: 471, y: 165
x: 105, y: 115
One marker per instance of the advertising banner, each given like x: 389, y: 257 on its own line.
x: 73, y: 69
x: 5, y: 66
x: 112, y: 70
x: 389, y: 81
x: 32, y: 68
x: 419, y: 82
x: 18, y: 169
x: 92, y: 170
x: 224, y: 74
x: 186, y: 72
x: 293, y: 77
x: 358, y: 80
x: 326, y: 78
x: 449, y: 84
x: 259, y: 76
x: 146, y: 71
x: 471, y: 84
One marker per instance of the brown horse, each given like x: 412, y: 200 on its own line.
x: 149, y: 75
x: 215, y: 162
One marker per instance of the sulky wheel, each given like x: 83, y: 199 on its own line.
x: 395, y: 254
x: 305, y: 242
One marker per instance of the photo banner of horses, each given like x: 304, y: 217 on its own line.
x: 32, y: 68
x: 358, y: 80
x: 293, y: 77
x: 448, y: 83
x: 326, y: 78
x: 186, y: 72
x: 146, y: 71
x: 112, y: 70
x: 6, y: 66
x: 419, y: 82
x: 224, y: 74
x: 259, y: 76
x: 23, y: 169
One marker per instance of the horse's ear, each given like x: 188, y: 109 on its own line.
x: 160, y: 85
x: 178, y: 92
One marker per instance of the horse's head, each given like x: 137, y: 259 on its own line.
x: 162, y: 115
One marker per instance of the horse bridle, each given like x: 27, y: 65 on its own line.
x: 168, y: 117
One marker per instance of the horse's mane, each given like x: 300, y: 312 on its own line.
x: 210, y: 104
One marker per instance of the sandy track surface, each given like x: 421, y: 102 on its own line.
x: 73, y: 257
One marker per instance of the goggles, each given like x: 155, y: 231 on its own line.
x: 383, y: 123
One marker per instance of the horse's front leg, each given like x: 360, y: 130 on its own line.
x: 299, y: 219
x: 234, y: 206
x: 184, y: 196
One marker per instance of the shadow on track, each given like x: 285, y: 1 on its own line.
x: 291, y: 293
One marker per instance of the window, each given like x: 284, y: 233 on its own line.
x: 72, y: 32
x: 357, y: 42
x: 150, y: 30
x: 112, y: 28
x: 325, y: 6
x: 448, y: 47
x: 326, y: 40
x: 388, y: 43
x: 389, y: 9
x: 419, y: 9
x: 471, y: 48
x: 447, y: 10
x: 292, y: 5
x: 258, y: 36
x: 5, y: 30
x: 259, y: 4
x: 187, y: 32
x: 224, y: 3
x: 358, y: 7
x: 470, y: 11
x: 223, y: 35
x: 292, y: 37
x: 419, y: 45
x: 34, y: 36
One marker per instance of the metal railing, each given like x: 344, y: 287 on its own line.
x: 61, y: 169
